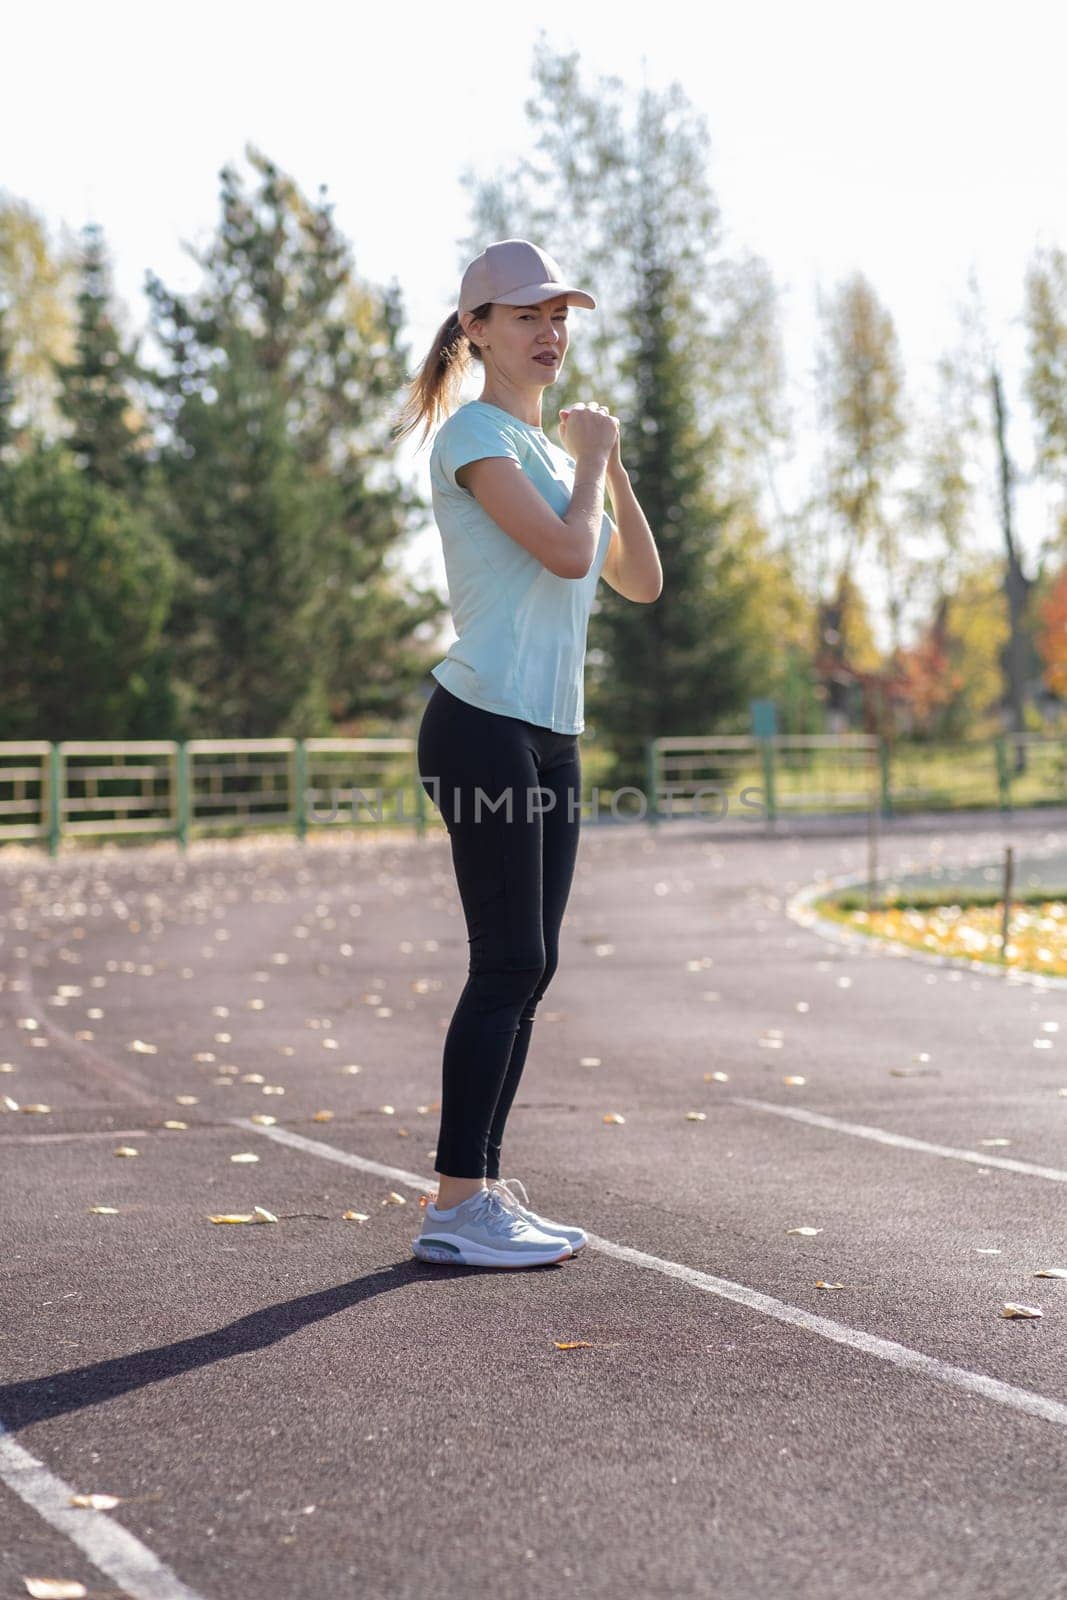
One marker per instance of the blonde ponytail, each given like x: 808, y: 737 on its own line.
x: 433, y: 392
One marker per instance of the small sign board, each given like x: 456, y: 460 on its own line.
x: 764, y: 719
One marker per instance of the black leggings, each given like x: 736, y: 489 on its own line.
x: 510, y: 794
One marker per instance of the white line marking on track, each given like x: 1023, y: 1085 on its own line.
x: 903, y: 1140
x: 315, y: 1147
x: 1035, y: 1405
x: 108, y: 1545
x: 56, y: 1138
x: 870, y: 1344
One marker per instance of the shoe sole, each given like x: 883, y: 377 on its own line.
x: 466, y: 1254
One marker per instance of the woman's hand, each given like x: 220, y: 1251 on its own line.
x: 591, y: 428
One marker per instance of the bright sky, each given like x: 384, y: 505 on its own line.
x: 912, y: 140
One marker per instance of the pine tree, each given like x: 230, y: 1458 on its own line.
x: 678, y: 665
x: 275, y: 406
x: 84, y: 590
x: 107, y: 435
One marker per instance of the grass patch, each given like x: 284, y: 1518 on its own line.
x: 968, y: 924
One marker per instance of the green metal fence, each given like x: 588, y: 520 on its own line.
x: 165, y: 788
x: 807, y: 773
x: 186, y: 789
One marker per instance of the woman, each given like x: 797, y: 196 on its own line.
x: 525, y: 540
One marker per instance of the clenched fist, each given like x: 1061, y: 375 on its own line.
x: 589, y: 430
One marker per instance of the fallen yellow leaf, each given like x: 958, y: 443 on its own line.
x: 245, y: 1155
x: 355, y: 1216
x: 96, y: 1502
x: 573, y: 1344
x: 55, y: 1588
x: 110, y: 1211
x: 126, y: 1150
x: 807, y: 1231
x: 1011, y: 1309
x: 259, y: 1214
x: 613, y: 1116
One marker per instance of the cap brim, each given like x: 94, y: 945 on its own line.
x: 533, y: 293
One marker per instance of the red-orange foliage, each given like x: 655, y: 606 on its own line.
x: 1051, y: 638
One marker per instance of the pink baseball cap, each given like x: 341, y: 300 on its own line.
x: 514, y: 272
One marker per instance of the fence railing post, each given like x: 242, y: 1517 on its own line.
x: 420, y: 797
x: 652, y: 779
x: 886, y: 777
x: 1003, y: 774
x: 55, y: 789
x: 768, y: 778
x: 300, y: 769
x: 181, y: 779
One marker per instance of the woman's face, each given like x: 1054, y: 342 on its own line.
x: 521, y: 340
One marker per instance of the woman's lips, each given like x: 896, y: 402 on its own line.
x: 547, y: 361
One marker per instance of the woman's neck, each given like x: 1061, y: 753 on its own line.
x: 527, y: 410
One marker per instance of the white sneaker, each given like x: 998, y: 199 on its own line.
x: 482, y: 1231
x: 513, y: 1193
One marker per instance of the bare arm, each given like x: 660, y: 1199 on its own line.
x: 566, y: 545
x: 632, y: 565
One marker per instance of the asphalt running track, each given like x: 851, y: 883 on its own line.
x: 300, y: 1409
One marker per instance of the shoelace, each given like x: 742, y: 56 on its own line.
x: 498, y: 1216
x: 507, y: 1190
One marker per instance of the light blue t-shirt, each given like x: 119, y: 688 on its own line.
x: 522, y: 630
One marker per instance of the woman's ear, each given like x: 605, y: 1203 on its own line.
x: 468, y: 328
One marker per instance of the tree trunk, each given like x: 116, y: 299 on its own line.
x: 1015, y: 583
